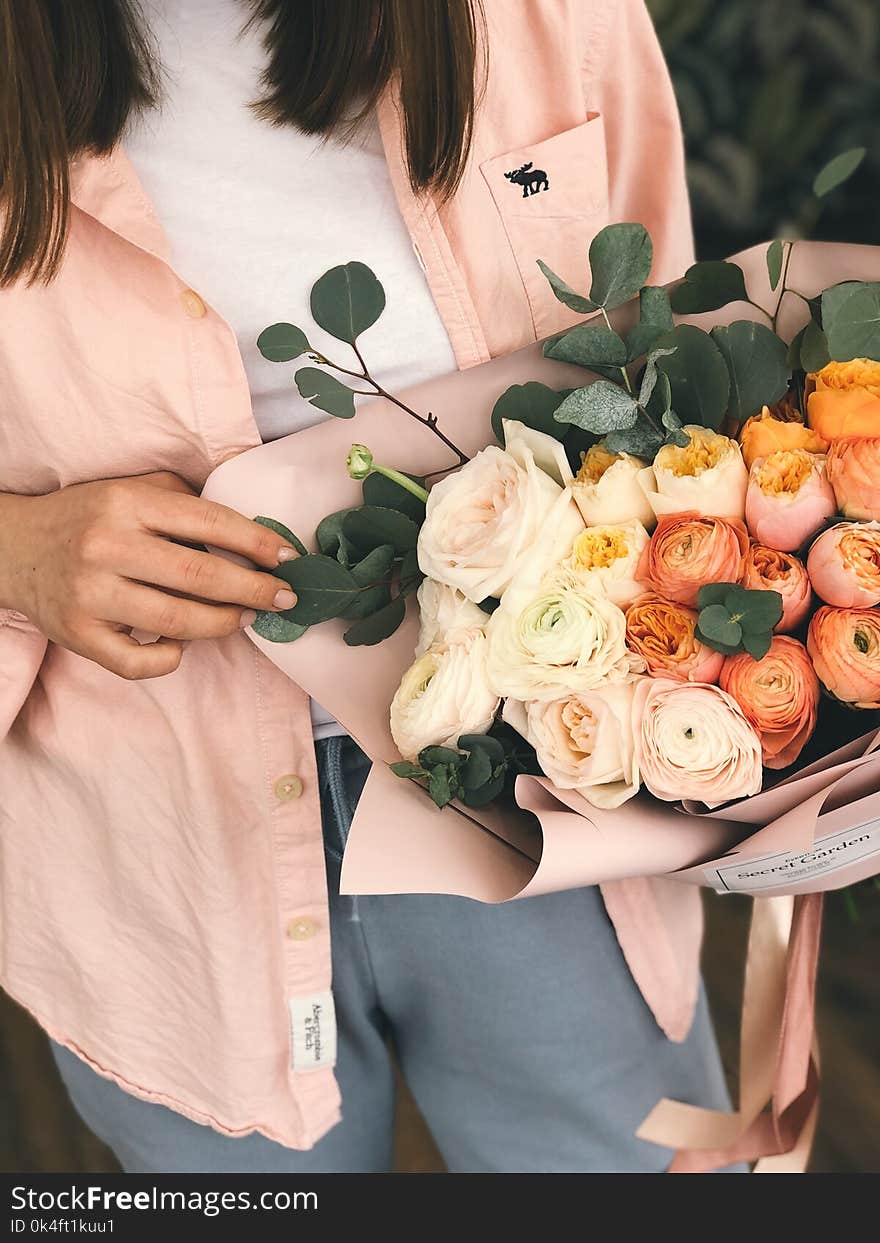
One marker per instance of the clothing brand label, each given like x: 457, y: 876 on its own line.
x: 312, y: 1031
x: 830, y: 854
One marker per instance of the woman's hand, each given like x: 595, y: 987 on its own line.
x: 92, y: 561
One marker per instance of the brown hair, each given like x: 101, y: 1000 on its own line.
x: 72, y: 73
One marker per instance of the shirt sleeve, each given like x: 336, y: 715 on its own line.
x: 627, y: 81
x: 22, y: 648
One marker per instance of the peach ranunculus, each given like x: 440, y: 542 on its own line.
x: 843, y: 400
x: 844, y: 565
x: 768, y: 569
x: 706, y: 476
x: 765, y: 433
x: 789, y: 498
x: 844, y: 646
x: 779, y: 696
x: 663, y: 634
x: 687, y: 551
x: 853, y: 469
x: 693, y: 742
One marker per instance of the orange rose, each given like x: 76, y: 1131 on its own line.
x: 662, y: 633
x: 844, y: 400
x: 687, y: 551
x: 767, y: 569
x: 765, y: 433
x: 844, y: 646
x: 779, y: 696
x: 853, y: 470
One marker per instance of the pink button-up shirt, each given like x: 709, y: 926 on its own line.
x: 162, y: 885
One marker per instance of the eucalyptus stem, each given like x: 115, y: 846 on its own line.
x: 783, y: 286
x: 623, y: 370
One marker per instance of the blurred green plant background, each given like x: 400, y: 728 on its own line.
x: 769, y: 90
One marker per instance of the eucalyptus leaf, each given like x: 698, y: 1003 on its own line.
x: 476, y: 771
x: 757, y: 645
x: 485, y: 794
x: 325, y: 392
x: 493, y: 748
x: 649, y: 379
x: 713, y: 593
x: 347, y: 300
x: 837, y: 171
x: 600, y: 407
x: 655, y: 318
x: 532, y: 404
x: 411, y: 575
x: 442, y: 786
x: 372, y: 525
x: 851, y: 319
x: 324, y: 588
x: 373, y: 576
x: 380, y: 490
x: 793, y: 356
x: 378, y: 626
x: 588, y: 345
x: 814, y: 353
x: 620, y: 263
x: 641, y: 440
x: 431, y: 756
x: 757, y: 361
x: 329, y: 530
x: 277, y: 629
x: 709, y: 286
x: 403, y: 768
x: 564, y: 292
x: 281, y: 343
x: 775, y: 254
x: 286, y: 534
x: 698, y: 376
x: 717, y: 626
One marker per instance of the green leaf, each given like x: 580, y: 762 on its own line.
x: 697, y: 374
x: 655, y: 318
x: 716, y: 625
x: 442, y: 785
x: 277, y: 629
x: 713, y: 593
x: 372, y: 525
x: 757, y: 361
x: 477, y: 770
x: 411, y: 575
x: 726, y: 649
x: 601, y: 407
x: 493, y: 748
x: 793, y: 357
x: 347, y: 300
x: 851, y: 319
x: 575, y: 301
x: 532, y: 404
x: 324, y: 587
x: 588, y: 345
x: 325, y: 392
x: 329, y: 531
x: 837, y: 171
x: 378, y: 626
x: 757, y: 645
x: 763, y: 610
x: 659, y: 403
x: 431, y: 756
x: 641, y: 440
x: 775, y: 254
x: 814, y: 354
x: 485, y: 793
x: 373, y: 576
x: 384, y: 492
x: 708, y: 287
x: 403, y: 768
x: 649, y: 379
x: 286, y: 534
x: 375, y: 565
x: 620, y: 262
x: 281, y: 343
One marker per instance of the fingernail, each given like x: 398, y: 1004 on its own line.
x: 285, y: 600
x: 287, y: 554
x: 248, y: 617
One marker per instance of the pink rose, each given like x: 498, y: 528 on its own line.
x: 779, y: 696
x: 789, y: 498
x: 767, y: 569
x: 844, y: 565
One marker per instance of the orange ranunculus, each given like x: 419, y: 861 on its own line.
x: 768, y: 569
x: 844, y: 646
x: 853, y: 469
x: 844, y: 565
x: 765, y: 433
x: 844, y: 400
x: 779, y: 696
x: 688, y: 550
x: 663, y: 634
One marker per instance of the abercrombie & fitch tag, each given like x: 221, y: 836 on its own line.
x: 312, y: 1031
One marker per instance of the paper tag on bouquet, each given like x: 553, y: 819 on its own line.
x: 835, y: 853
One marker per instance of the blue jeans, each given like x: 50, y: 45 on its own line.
x: 518, y: 1029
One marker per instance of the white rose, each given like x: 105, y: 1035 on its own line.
x: 443, y: 609
x: 443, y: 695
x: 480, y: 521
x: 560, y: 639
x: 605, y: 559
x: 606, y: 489
x: 707, y: 476
x: 584, y: 742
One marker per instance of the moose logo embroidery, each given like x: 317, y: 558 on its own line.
x: 531, y: 179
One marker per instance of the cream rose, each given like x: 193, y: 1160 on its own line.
x: 443, y: 695
x: 707, y: 476
x: 481, y: 520
x: 559, y: 640
x: 605, y: 559
x: 606, y: 489
x: 442, y: 610
x: 584, y: 742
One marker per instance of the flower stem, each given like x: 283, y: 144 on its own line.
x: 402, y: 480
x: 623, y: 370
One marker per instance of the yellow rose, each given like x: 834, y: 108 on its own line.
x: 844, y: 400
x: 765, y: 434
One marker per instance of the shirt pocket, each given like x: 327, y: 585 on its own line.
x: 552, y: 212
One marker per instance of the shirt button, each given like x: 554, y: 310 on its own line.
x: 192, y: 304
x: 302, y: 928
x: 288, y: 787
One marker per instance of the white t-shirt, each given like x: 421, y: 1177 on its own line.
x: 255, y: 213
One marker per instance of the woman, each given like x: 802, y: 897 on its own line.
x: 164, y: 905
